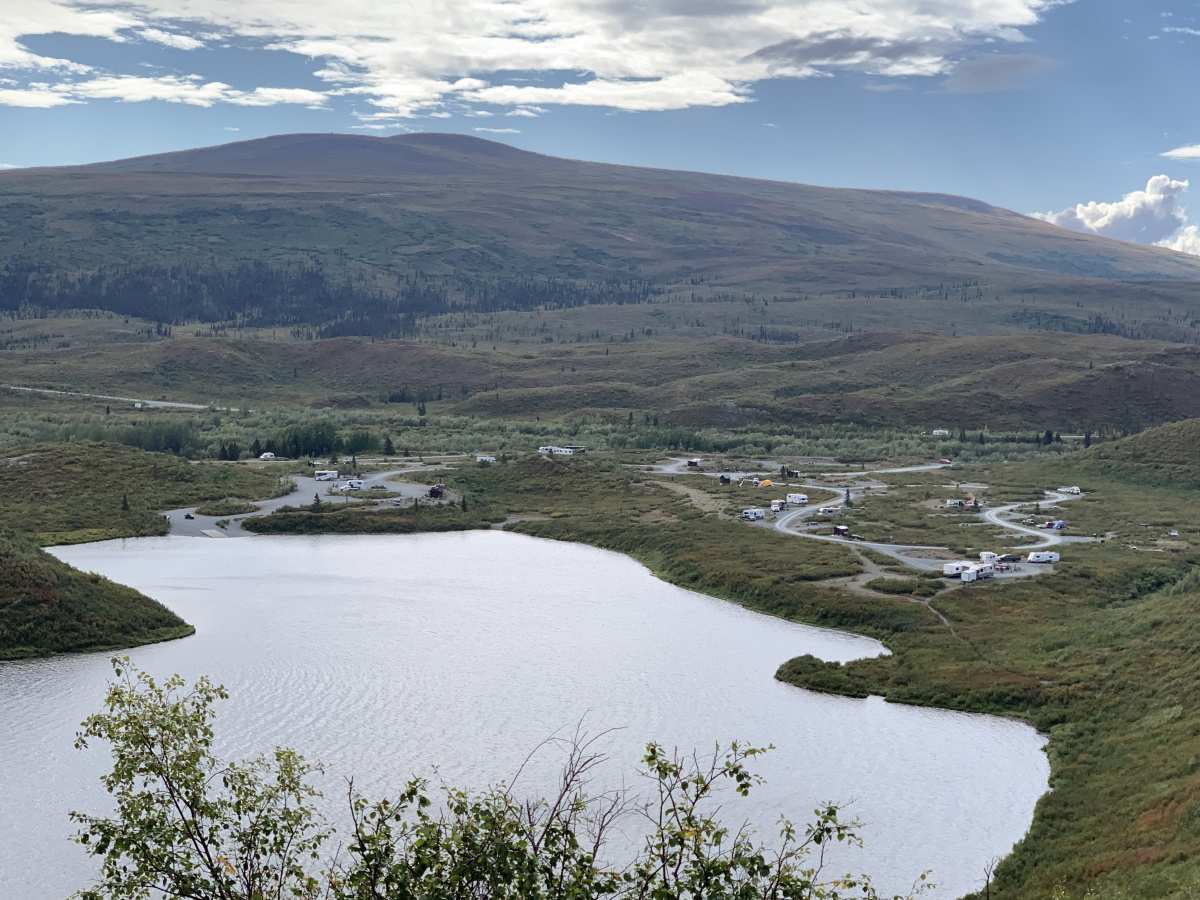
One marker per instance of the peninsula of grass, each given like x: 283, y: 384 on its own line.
x: 47, y: 607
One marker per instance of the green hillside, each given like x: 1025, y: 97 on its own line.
x: 47, y: 607
x: 1034, y: 381
x: 344, y: 234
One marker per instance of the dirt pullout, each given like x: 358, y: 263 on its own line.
x: 700, y: 499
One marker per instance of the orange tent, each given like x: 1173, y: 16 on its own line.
x: 766, y: 483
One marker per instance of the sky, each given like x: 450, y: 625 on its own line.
x: 1082, y: 111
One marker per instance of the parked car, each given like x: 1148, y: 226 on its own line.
x: 1010, y: 558
x: 188, y: 516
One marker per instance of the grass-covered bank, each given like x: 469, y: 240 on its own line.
x: 78, y: 492
x: 47, y: 607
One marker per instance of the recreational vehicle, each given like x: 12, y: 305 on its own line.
x: 1042, y: 556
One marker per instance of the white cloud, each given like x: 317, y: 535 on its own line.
x: 7, y: 166
x: 1187, y: 240
x: 190, y: 91
x: 178, y: 41
x: 1145, y: 216
x: 1183, y: 153
x: 500, y: 130
x: 652, y: 55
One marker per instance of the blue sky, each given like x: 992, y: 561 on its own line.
x: 1036, y: 105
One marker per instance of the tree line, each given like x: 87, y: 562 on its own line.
x: 305, y: 297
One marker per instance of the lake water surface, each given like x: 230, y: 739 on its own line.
x: 379, y: 655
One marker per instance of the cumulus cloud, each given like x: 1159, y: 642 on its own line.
x: 1147, y: 217
x: 1186, y: 241
x: 650, y: 55
x: 1184, y: 153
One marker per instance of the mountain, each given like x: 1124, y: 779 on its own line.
x: 356, y: 230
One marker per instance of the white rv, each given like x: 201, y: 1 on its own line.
x: 1042, y: 556
x: 940, y: 432
x: 987, y: 557
x: 954, y: 569
x: 354, y: 484
x: 754, y: 514
x: 778, y: 505
x: 978, y: 572
x: 267, y: 455
x: 798, y: 499
x: 325, y: 475
x: 829, y: 510
x: 1070, y: 490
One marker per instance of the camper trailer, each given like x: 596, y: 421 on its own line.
x: 1070, y: 490
x: 954, y: 569
x: 797, y: 499
x: 987, y: 557
x: 325, y: 475
x: 778, y: 505
x: 978, y: 572
x: 841, y: 531
x: 1042, y: 556
x: 829, y: 510
x: 354, y: 484
x: 754, y: 514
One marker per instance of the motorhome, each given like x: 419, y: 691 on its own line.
x: 354, y: 484
x: 829, y: 510
x: 325, y: 475
x: 754, y: 514
x: 778, y: 505
x: 798, y: 499
x: 1042, y: 556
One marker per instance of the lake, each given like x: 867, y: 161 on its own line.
x: 381, y: 655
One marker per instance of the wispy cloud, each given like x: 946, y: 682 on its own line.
x: 190, y: 90
x: 7, y: 166
x: 1191, y: 152
x: 653, y: 55
x: 178, y: 41
x: 500, y: 130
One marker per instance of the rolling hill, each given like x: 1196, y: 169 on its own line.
x: 347, y: 234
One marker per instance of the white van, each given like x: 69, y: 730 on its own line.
x: 753, y: 515
x: 1042, y: 556
x: 798, y: 499
x: 325, y: 475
